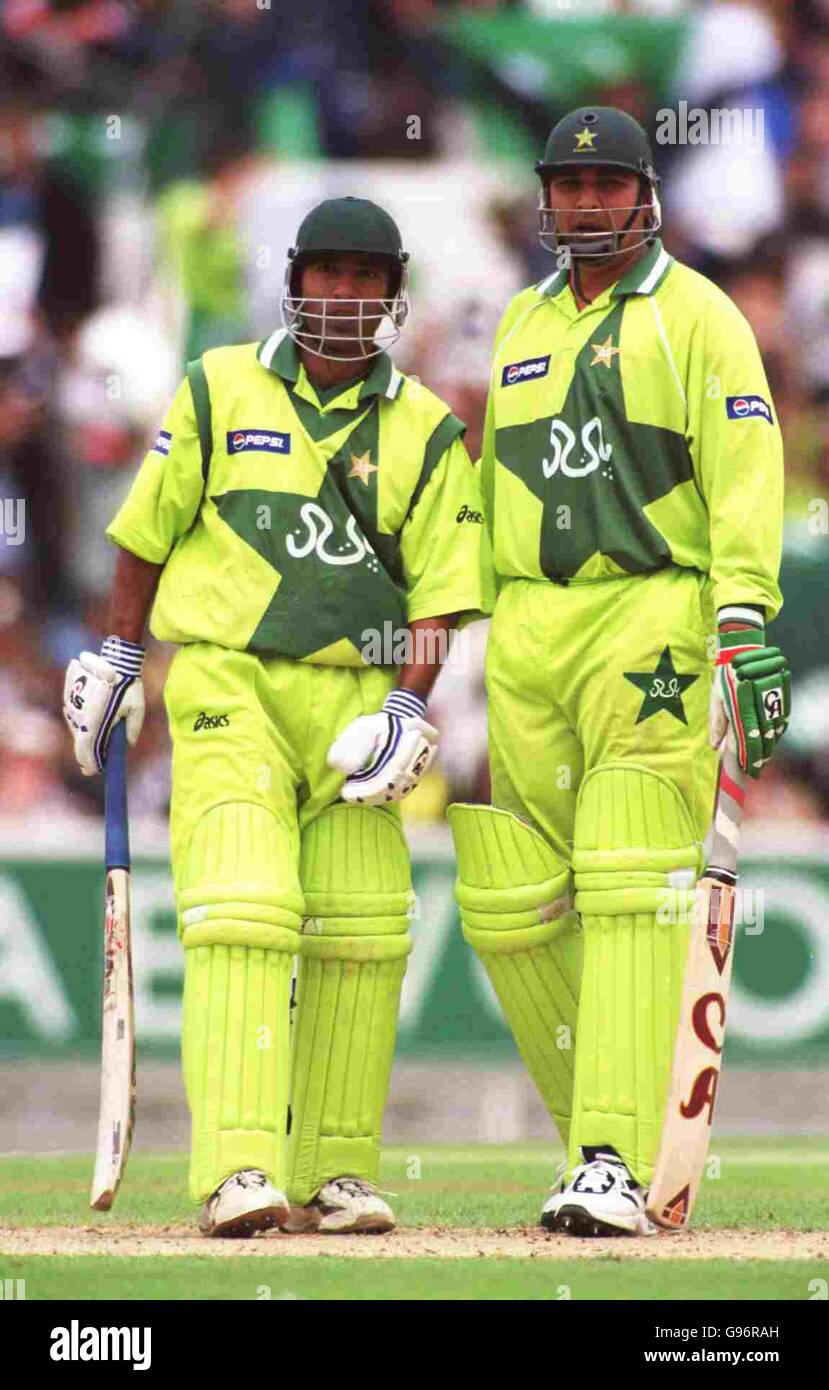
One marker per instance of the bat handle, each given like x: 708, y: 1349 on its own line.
x: 728, y: 813
x: 116, y: 833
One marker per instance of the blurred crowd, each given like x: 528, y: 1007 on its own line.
x: 155, y: 159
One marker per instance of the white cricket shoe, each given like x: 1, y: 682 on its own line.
x: 244, y: 1203
x: 341, y: 1206
x: 601, y: 1199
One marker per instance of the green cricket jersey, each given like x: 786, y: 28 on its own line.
x: 301, y: 524
x: 635, y: 434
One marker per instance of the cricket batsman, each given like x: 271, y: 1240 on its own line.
x: 632, y: 474
x: 302, y: 497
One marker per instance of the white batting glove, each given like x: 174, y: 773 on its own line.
x: 384, y: 756
x: 97, y: 692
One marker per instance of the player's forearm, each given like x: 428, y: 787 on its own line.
x: 430, y: 638
x: 132, y: 593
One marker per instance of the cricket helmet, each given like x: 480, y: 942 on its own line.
x: 599, y: 135
x: 357, y: 226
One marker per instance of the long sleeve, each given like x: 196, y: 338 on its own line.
x: 737, y: 452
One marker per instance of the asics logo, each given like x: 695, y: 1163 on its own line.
x: 210, y: 721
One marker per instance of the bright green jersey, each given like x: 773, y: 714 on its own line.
x: 288, y: 527
x: 635, y: 434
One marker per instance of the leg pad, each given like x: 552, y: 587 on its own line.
x: 357, y: 884
x: 513, y: 893
x: 239, y: 918
x: 636, y: 859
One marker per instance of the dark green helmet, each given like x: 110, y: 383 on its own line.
x: 356, y: 226
x: 349, y: 224
x: 599, y: 135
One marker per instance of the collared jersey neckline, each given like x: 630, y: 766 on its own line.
x: 643, y: 278
x: 279, y: 354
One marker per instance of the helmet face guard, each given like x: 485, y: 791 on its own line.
x: 311, y: 328
x: 603, y: 243
x: 599, y: 136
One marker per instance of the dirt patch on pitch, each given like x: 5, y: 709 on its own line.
x: 435, y: 1243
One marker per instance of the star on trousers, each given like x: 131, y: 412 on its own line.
x: 663, y: 688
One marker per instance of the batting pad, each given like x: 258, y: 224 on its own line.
x: 635, y: 861
x: 356, y: 878
x: 239, y: 918
x: 512, y: 890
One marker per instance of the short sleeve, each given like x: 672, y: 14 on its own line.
x: 164, y: 499
x: 443, y: 543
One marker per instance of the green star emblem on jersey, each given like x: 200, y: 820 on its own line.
x: 315, y: 547
x: 601, y: 466
x: 329, y: 545
x: 663, y: 688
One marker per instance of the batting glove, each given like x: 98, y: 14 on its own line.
x: 383, y: 756
x: 751, y: 698
x: 97, y: 692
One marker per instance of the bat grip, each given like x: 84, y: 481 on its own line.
x: 728, y: 813
x: 116, y: 833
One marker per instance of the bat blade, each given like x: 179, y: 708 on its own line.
x: 700, y: 1036
x: 697, y: 1057
x: 116, y: 1117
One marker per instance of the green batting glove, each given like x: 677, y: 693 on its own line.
x: 763, y: 688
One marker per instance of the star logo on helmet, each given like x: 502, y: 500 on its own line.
x: 584, y: 139
x: 362, y: 467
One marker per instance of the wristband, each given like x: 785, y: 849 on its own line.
x: 126, y: 657
x: 405, y: 704
x: 744, y: 614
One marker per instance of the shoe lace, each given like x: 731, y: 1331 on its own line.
x: 594, y: 1175
x: 249, y: 1178
x: 359, y: 1187
x: 353, y: 1187
x: 603, y: 1168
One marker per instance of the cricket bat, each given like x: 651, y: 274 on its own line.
x: 117, y: 1107
x: 701, y: 1030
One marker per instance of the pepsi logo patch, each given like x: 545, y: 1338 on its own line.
x: 529, y: 370
x: 258, y: 441
x: 744, y: 407
x: 163, y: 442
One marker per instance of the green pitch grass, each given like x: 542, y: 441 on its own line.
x: 755, y: 1185
x: 421, y: 1280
